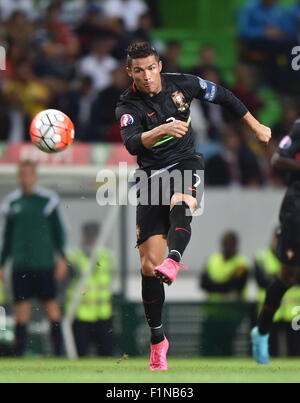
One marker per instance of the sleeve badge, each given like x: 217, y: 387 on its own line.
x: 126, y: 120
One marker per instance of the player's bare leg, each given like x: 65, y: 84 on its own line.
x: 152, y: 253
x: 53, y: 313
x: 181, y: 208
x: 22, y: 316
x: 288, y: 277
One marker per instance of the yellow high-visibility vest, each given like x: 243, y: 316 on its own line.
x: 96, y: 300
x: 221, y: 270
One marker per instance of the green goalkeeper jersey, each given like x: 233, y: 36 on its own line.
x: 34, y: 231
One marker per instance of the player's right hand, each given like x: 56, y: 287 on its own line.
x: 176, y: 128
x: 263, y: 133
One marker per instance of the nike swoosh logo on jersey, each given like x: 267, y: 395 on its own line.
x: 151, y: 114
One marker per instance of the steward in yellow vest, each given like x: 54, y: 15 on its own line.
x: 225, y: 274
x: 93, y: 324
x: 224, y: 278
x: 267, y: 267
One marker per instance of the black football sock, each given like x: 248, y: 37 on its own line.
x: 179, y: 234
x: 56, y: 338
x: 153, y: 294
x: 20, y: 340
x: 275, y: 292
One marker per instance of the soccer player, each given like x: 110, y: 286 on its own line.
x: 154, y: 115
x: 288, y: 250
x: 34, y: 242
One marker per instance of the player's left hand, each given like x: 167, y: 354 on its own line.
x: 263, y: 133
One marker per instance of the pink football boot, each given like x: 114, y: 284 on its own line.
x: 168, y: 270
x: 158, y: 356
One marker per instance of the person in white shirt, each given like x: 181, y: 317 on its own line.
x: 8, y: 7
x: 128, y: 10
x: 99, y: 64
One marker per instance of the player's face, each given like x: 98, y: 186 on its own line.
x: 27, y: 178
x: 145, y: 73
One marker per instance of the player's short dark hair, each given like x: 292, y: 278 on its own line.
x: 140, y: 50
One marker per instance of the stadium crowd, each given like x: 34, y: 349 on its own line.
x: 69, y: 55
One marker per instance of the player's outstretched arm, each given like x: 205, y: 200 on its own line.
x: 176, y: 128
x: 261, y: 132
x: 220, y: 95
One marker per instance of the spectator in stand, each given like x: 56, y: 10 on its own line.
x: 14, y: 121
x: 216, y: 116
x: 8, y: 7
x: 60, y: 33
x: 127, y: 10
x: 206, y: 61
x: 144, y: 28
x: 154, y: 10
x: 266, y: 40
x: 19, y: 29
x: 92, y: 27
x: 105, y: 127
x: 77, y: 103
x: 262, y: 20
x: 290, y: 113
x: 71, y: 11
x: 235, y: 165
x: 143, y: 33
x: 16, y: 53
x: 171, y: 56
x: 244, y: 88
x: 57, y: 47
x: 32, y: 93
x: 99, y: 64
x: 293, y: 20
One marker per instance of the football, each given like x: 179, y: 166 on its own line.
x: 52, y: 131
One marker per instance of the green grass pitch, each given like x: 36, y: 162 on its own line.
x: 134, y: 370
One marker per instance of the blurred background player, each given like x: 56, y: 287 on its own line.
x: 93, y: 322
x: 34, y: 243
x: 284, y: 341
x: 224, y: 279
x: 286, y: 159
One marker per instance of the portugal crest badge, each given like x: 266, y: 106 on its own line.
x: 179, y: 100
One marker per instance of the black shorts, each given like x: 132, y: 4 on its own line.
x: 288, y: 249
x: 34, y: 284
x: 152, y: 214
